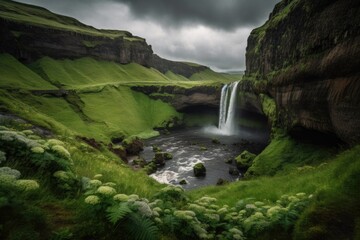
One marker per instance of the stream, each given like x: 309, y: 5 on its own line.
x: 194, y: 145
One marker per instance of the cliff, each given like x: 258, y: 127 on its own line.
x: 29, y: 33
x: 306, y: 56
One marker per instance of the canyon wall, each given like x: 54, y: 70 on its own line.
x: 30, y: 32
x: 307, y: 57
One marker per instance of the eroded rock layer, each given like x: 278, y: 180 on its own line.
x: 308, y: 57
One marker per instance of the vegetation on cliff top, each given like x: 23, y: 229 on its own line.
x: 38, y: 16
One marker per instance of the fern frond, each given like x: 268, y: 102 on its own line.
x: 117, y: 212
x: 140, y: 228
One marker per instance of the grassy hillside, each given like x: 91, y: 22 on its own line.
x: 101, y: 104
x: 38, y: 16
x: 14, y: 75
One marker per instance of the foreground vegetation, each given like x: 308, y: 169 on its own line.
x: 94, y: 195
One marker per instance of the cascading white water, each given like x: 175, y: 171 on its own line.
x: 227, y: 113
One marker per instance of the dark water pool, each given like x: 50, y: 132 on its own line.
x: 188, y: 148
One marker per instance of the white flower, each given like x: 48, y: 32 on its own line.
x: 92, y: 199
x: 106, y: 191
x: 61, y: 175
x: 53, y: 142
x: 143, y: 208
x: 133, y: 198
x: 27, y: 185
x: 61, y: 151
x: 121, y: 197
x: 11, y: 172
x: 37, y: 150
x: 95, y: 183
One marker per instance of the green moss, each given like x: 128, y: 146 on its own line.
x: 245, y: 160
x: 269, y: 108
x: 284, y: 154
x: 211, y: 75
x: 324, y: 177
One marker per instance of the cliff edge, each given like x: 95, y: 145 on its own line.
x: 29, y: 32
x: 306, y: 56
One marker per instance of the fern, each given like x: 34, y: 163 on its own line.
x: 140, y: 228
x: 117, y: 212
x: 171, y: 223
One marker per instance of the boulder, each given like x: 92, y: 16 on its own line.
x: 233, y: 171
x: 159, y: 158
x: 221, y: 181
x: 199, y: 170
x: 150, y: 168
x: 245, y: 160
x: 183, y: 182
x: 133, y: 146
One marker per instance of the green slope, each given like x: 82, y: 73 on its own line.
x: 14, y: 75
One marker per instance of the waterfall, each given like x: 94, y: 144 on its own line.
x: 227, y: 113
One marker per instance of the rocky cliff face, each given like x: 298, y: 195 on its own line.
x: 306, y: 57
x: 68, y: 38
x: 181, y: 98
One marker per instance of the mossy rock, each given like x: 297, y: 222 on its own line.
x: 133, y: 146
x: 245, y: 160
x: 203, y: 148
x: 229, y: 160
x: 221, y: 182
x: 150, y: 168
x: 215, y: 141
x: 168, y: 156
x: 139, y: 162
x: 159, y: 158
x: 233, y: 171
x: 183, y: 182
x: 156, y: 149
x: 199, y: 170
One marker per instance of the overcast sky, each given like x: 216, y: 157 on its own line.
x: 209, y: 32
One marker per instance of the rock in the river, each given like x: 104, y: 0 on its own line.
x: 199, y: 170
x: 168, y: 156
x: 156, y: 148
x: 183, y: 182
x: 150, y: 168
x: 221, y: 182
x: 233, y: 171
x: 139, y: 162
x: 245, y: 160
x: 159, y: 158
x: 133, y: 146
x: 228, y: 160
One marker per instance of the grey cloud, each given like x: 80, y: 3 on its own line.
x: 224, y: 14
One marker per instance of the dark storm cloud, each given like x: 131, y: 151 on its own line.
x: 224, y: 14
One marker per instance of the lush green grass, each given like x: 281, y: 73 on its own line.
x: 15, y: 75
x: 211, y: 75
x: 111, y: 112
x: 325, y: 177
x: 88, y: 72
x: 285, y: 154
x: 103, y: 106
